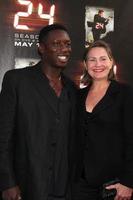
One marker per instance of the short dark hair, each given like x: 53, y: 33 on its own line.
x: 100, y: 11
x: 46, y: 29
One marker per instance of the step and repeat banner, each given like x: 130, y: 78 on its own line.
x: 21, y: 21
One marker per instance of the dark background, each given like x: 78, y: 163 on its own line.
x: 121, y: 39
x: 72, y: 14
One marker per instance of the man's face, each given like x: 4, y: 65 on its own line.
x: 56, y: 49
x: 101, y: 14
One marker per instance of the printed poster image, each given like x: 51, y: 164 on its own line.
x: 25, y: 62
x: 99, y: 21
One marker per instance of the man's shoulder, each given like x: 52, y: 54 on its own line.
x: 20, y: 71
x: 19, y: 76
x: 68, y: 80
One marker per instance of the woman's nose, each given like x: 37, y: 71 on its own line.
x: 97, y: 62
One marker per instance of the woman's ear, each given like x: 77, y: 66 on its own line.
x: 112, y: 63
x: 84, y: 64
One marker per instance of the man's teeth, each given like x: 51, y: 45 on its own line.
x: 62, y: 57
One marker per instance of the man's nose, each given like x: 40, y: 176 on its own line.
x: 65, y: 47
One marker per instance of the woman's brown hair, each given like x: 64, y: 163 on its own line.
x: 87, y: 79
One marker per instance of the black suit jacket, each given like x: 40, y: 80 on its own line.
x: 27, y: 117
x: 106, y: 135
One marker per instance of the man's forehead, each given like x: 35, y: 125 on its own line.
x: 57, y: 31
x: 58, y: 35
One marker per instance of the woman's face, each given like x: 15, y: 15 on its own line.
x: 98, y: 63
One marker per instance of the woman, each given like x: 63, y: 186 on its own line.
x: 105, y: 143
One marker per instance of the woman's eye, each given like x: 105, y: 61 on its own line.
x: 103, y: 59
x: 92, y: 60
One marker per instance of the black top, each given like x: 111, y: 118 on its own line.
x: 60, y: 143
x: 100, y: 23
x: 28, y: 131
x: 105, y: 137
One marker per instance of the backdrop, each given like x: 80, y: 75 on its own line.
x: 20, y: 21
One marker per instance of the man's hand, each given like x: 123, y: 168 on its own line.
x: 11, y: 194
x: 123, y: 192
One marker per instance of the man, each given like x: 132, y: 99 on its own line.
x: 37, y: 109
x: 99, y: 25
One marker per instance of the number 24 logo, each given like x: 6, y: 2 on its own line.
x: 29, y: 5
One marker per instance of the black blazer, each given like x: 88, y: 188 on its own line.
x: 27, y: 113
x: 107, y: 136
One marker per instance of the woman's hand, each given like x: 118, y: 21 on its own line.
x: 123, y: 192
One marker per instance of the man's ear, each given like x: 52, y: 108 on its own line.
x: 41, y: 48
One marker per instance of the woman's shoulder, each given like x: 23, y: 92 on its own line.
x: 125, y: 86
x: 122, y: 85
x: 125, y: 89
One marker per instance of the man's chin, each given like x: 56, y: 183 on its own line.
x: 62, y: 65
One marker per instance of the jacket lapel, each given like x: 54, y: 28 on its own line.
x: 108, y: 99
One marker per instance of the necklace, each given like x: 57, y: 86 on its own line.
x: 56, y: 84
x: 55, y: 79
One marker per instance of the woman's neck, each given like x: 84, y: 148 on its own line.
x: 100, y: 85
